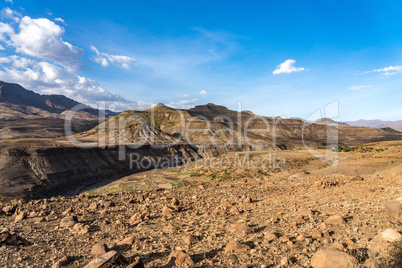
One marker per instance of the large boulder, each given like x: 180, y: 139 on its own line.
x: 333, y: 258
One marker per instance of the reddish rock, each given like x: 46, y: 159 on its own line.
x: 99, y: 249
x: 240, y: 229
x: 333, y: 258
x: 179, y: 257
x: 304, y: 212
x: 336, y: 219
x: 236, y: 246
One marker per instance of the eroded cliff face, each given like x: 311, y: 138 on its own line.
x: 44, y: 172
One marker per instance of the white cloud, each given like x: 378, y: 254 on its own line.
x: 50, y: 78
x: 359, y: 87
x: 105, y: 59
x: 1, y: 47
x: 60, y: 20
x: 9, y: 1
x: 391, y: 70
x: 203, y: 93
x: 5, y: 29
x: 7, y: 13
x: 183, y: 104
x: 41, y: 38
x: 287, y: 68
x: 184, y: 96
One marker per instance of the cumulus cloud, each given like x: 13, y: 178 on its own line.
x: 388, y: 71
x: 359, y: 87
x: 1, y: 47
x: 7, y: 13
x: 49, y: 78
x: 9, y: 1
x: 203, y: 93
x: 287, y: 67
x: 41, y: 38
x: 105, y: 59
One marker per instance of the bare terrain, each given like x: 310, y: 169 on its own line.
x: 219, y: 217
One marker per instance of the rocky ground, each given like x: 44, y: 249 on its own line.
x: 269, y: 220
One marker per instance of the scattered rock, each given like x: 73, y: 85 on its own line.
x: 63, y: 262
x: 240, y: 229
x: 304, y: 212
x: 391, y: 235
x: 234, y: 210
x: 81, y: 229
x: 99, y: 249
x: 106, y: 260
x: 179, y: 257
x: 316, y: 234
x: 127, y: 241
x: 20, y: 217
x: 190, y: 239
x: 333, y: 258
x: 68, y: 221
x: 336, y: 219
x: 236, y: 246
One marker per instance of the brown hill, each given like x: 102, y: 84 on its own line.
x: 217, y: 125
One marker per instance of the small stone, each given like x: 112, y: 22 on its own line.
x: 179, y: 257
x: 234, y: 210
x: 391, y: 235
x: 300, y: 238
x: 20, y: 217
x: 240, y: 229
x: 190, y: 239
x: 338, y: 246
x: 68, y: 221
x: 336, y: 219
x: 167, y: 211
x: 316, y: 234
x: 93, y: 206
x: 284, y: 261
x: 236, y: 246
x: 248, y: 200
x: 304, y: 212
x: 63, y: 262
x: 107, y: 260
x: 81, y: 229
x: 175, y: 202
x: 269, y: 236
x: 99, y: 249
x: 9, y: 210
x: 127, y: 241
x: 284, y: 239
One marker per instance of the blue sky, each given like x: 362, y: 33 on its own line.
x: 282, y: 58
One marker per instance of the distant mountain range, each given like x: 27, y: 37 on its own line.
x: 377, y: 123
x: 18, y: 101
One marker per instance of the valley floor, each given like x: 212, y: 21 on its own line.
x: 277, y: 217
